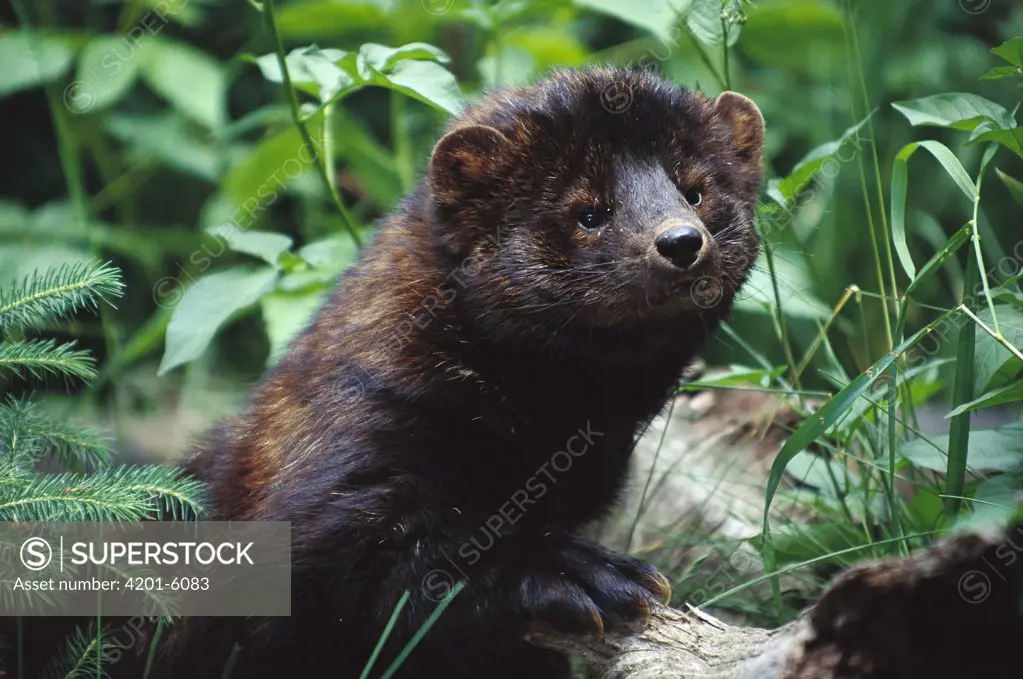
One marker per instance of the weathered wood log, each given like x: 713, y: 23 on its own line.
x: 951, y: 611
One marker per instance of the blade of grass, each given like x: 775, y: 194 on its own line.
x: 962, y: 385
x: 820, y: 421
x: 384, y: 635
x: 421, y: 632
x: 773, y: 575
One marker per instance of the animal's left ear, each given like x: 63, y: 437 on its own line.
x: 746, y: 121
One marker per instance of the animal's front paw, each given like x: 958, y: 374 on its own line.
x: 585, y: 588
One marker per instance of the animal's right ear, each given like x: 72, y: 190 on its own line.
x: 468, y: 157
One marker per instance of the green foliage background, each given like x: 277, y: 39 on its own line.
x: 157, y: 134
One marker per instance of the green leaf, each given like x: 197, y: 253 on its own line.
x: 943, y: 254
x: 796, y: 543
x: 311, y: 69
x: 426, y: 81
x: 1011, y: 393
x: 711, y: 20
x: 333, y: 253
x: 286, y: 315
x: 383, y: 58
x: 989, y: 449
x: 959, y: 110
x: 736, y: 375
x: 900, y: 180
x: 1015, y: 186
x: 271, y: 167
x: 1011, y: 50
x: 192, y: 81
x: 106, y: 71
x: 999, y: 72
x: 994, y: 365
x: 31, y: 60
x: 784, y: 191
x: 208, y: 305
x: 266, y: 245
x: 655, y: 16
x: 1011, y: 139
x: 995, y: 505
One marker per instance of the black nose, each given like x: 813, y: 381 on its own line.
x: 680, y: 245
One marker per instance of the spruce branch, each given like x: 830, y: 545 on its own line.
x: 26, y: 436
x: 58, y: 293
x: 80, y: 656
x: 40, y: 358
x: 118, y: 494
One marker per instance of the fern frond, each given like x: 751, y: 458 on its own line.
x: 120, y: 494
x: 57, y: 293
x: 80, y: 656
x: 40, y: 358
x: 26, y: 436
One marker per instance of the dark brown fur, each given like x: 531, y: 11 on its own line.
x: 481, y: 332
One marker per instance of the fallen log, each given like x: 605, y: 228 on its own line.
x: 951, y: 611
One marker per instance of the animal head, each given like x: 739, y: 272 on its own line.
x: 601, y: 198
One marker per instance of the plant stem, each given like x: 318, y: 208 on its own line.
x: 779, y: 316
x: 289, y: 91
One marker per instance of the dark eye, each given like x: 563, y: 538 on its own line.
x: 694, y: 197
x: 591, y: 220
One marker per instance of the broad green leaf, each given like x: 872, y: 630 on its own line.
x: 711, y: 20
x: 333, y: 253
x: 994, y: 365
x: 1015, y: 186
x: 311, y: 70
x: 285, y: 315
x: 426, y: 81
x: 816, y: 424
x: 31, y: 60
x: 655, y: 16
x: 383, y: 58
x: 959, y: 110
x: 1011, y: 50
x: 793, y: 35
x: 784, y: 191
x: 266, y: 245
x: 900, y: 179
x: 999, y: 72
x: 271, y: 168
x: 208, y: 305
x: 106, y: 71
x: 191, y: 80
x: 995, y: 505
x: 1011, y: 393
x: 1011, y: 139
x: 989, y: 449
